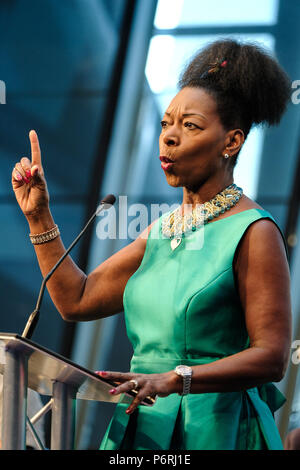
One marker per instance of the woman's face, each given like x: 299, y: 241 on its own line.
x: 192, y: 140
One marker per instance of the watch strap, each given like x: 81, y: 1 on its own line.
x: 187, y: 380
x: 186, y: 377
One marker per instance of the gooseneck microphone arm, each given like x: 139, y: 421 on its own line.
x: 34, y: 317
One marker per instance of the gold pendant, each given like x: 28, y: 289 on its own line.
x: 175, y: 242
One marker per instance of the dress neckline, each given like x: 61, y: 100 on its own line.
x: 214, y: 221
x: 228, y: 217
x: 237, y: 213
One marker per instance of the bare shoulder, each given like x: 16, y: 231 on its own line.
x: 261, y: 233
x: 262, y: 244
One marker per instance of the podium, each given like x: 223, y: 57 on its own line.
x: 24, y: 364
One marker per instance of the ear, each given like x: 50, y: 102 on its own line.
x: 234, y: 141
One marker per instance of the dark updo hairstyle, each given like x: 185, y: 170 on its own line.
x: 250, y: 87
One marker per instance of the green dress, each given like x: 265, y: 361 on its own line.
x: 182, y: 307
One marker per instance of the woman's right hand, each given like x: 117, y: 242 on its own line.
x: 29, y: 183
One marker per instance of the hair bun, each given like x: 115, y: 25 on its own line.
x: 249, y: 85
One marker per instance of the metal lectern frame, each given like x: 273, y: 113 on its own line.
x: 24, y: 364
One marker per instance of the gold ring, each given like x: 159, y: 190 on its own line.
x: 135, y: 383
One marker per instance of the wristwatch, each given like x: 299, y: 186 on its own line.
x: 186, y: 373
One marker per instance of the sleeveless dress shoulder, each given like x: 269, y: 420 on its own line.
x: 182, y: 307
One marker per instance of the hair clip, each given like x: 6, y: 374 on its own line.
x: 215, y: 67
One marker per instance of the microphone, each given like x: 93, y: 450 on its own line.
x: 105, y: 204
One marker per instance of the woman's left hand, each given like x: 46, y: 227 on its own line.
x: 151, y: 385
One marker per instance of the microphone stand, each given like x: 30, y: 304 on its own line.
x: 34, y: 317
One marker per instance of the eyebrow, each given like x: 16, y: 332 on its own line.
x: 189, y: 114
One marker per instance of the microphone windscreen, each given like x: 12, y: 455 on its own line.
x: 109, y: 199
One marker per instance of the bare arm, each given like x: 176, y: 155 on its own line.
x: 77, y: 297
x: 264, y: 285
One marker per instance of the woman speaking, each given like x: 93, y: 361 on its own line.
x: 205, y: 288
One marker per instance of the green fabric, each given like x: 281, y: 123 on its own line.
x: 182, y: 307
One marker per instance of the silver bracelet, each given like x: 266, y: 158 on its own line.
x: 39, y: 238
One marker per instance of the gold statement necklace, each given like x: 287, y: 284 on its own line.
x: 176, y: 225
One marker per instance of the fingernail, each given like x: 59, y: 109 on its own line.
x: 28, y: 174
x: 128, y: 411
x: 101, y: 372
x: 112, y: 391
x: 26, y: 180
x: 18, y: 176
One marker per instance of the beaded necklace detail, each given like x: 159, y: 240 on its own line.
x: 175, y: 225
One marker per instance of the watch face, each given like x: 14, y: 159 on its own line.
x: 183, y: 370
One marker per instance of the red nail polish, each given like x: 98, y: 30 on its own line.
x: 112, y: 391
x: 101, y: 372
x: 26, y: 179
x: 28, y: 173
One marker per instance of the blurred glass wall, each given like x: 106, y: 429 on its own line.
x: 58, y: 61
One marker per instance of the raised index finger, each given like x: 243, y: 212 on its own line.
x: 36, y: 158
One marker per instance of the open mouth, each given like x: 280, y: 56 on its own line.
x: 166, y: 160
x: 166, y: 163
